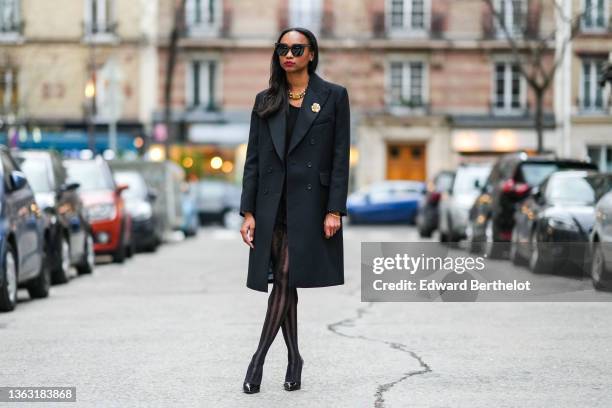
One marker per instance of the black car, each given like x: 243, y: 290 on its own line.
x: 68, y: 235
x: 491, y: 218
x: 147, y: 232
x: 428, y: 212
x: 601, y: 244
x: 21, y: 237
x: 553, y: 225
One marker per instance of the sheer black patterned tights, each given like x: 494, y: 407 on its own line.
x: 282, y: 310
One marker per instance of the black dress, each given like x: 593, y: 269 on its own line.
x: 280, y: 226
x: 292, y: 114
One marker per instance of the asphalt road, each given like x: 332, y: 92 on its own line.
x: 178, y: 327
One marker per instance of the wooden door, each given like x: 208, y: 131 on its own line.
x: 406, y: 161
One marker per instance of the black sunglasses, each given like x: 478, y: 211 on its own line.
x: 297, y: 50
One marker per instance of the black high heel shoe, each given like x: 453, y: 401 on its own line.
x: 252, y: 381
x: 293, y: 380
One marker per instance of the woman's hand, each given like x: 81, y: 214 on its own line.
x: 248, y: 229
x: 331, y: 225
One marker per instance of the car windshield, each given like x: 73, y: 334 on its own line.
x: 467, y: 176
x: 601, y: 184
x: 444, y: 181
x: 89, y: 174
x: 564, y: 190
x: 534, y: 173
x: 38, y: 174
x: 137, y: 186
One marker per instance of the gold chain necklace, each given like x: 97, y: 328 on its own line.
x: 299, y: 95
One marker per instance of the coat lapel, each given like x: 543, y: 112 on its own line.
x: 317, y: 92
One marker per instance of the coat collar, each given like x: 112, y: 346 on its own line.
x: 317, y: 92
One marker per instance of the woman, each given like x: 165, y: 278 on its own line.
x: 295, y: 185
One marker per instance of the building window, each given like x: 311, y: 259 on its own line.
x: 601, y: 155
x: 591, y: 94
x: 8, y: 90
x: 407, y: 84
x: 408, y: 15
x: 201, y: 84
x: 512, y: 14
x: 203, y: 16
x: 10, y: 21
x: 99, y: 17
x: 595, y: 14
x: 306, y: 13
x: 509, y: 92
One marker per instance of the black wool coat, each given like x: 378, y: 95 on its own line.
x: 317, y: 182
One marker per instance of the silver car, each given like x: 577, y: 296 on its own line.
x: 456, y: 202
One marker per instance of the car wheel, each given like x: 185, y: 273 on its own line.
x: 88, y: 261
x: 62, y: 270
x: 599, y: 275
x: 492, y: 249
x: 8, y: 289
x: 39, y: 287
x: 423, y: 233
x: 515, y: 255
x: 130, y: 250
x: 473, y: 245
x: 536, y: 260
x: 120, y: 254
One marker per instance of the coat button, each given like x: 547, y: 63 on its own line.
x: 266, y: 191
x: 309, y: 164
x: 269, y: 169
x: 312, y: 141
x: 309, y: 186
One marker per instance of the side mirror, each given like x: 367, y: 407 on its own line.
x: 18, y: 180
x: 120, y: 188
x: 536, y: 193
x: 152, y: 195
x: 477, y: 185
x: 69, y: 187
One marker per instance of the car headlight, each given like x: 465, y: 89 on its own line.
x: 559, y: 223
x: 141, y: 211
x: 105, y: 211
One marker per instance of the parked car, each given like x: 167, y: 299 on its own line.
x: 165, y: 178
x: 110, y: 221
x: 427, y: 218
x: 217, y: 201
x: 559, y: 211
x: 600, y: 244
x: 68, y: 235
x: 492, y: 216
x: 456, y: 201
x: 393, y: 201
x: 191, y: 219
x: 147, y: 230
x: 21, y: 237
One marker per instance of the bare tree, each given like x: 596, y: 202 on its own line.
x: 177, y: 30
x: 529, y: 53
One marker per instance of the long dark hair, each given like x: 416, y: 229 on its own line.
x: 276, y: 95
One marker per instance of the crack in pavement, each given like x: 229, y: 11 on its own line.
x: 382, y: 388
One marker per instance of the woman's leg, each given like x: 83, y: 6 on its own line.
x: 289, y: 327
x: 279, y: 301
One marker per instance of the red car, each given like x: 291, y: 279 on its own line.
x: 108, y: 217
